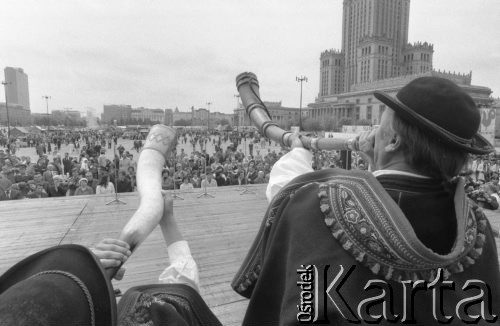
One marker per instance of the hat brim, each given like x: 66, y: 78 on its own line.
x: 187, y: 302
x: 74, y: 259
x: 478, y: 144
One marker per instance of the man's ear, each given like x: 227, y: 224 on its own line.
x: 394, y: 145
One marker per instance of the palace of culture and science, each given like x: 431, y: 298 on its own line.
x: 376, y: 55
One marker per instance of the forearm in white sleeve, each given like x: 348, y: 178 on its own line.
x: 182, y: 268
x: 296, y: 162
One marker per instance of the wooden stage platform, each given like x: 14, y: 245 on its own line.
x: 219, y: 230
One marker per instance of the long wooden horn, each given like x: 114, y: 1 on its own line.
x: 248, y: 87
x: 159, y: 142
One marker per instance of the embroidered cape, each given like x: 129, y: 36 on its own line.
x: 371, y: 227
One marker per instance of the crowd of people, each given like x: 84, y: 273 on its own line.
x: 83, y: 169
x: 482, y: 181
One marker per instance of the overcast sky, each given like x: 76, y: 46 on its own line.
x: 183, y: 53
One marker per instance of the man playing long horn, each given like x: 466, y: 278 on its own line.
x: 400, y: 245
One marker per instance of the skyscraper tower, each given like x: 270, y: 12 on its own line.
x: 375, y: 55
x: 17, y: 90
x: 374, y: 34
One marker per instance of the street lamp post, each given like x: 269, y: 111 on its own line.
x: 301, y: 80
x: 46, y: 97
x: 5, y: 83
x: 208, y: 120
x: 237, y: 116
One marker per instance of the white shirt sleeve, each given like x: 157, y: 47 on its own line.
x: 182, y: 268
x: 296, y: 162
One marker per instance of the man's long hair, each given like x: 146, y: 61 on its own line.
x: 426, y: 153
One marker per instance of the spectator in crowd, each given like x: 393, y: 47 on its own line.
x: 21, y: 175
x: 37, y: 191
x: 131, y: 174
x: 179, y: 175
x: 93, y: 168
x: 124, y: 184
x: 120, y: 149
x: 5, y: 181
x: 252, y: 174
x: 56, y: 189
x: 38, y: 179
x: 57, y: 162
x: 167, y: 180
x: 67, y: 163
x: 125, y: 162
x: 233, y: 176
x: 84, y: 165
x: 480, y: 170
x: 220, y: 176
x: 48, y: 175
x: 482, y: 196
x: 186, y: 186
x: 84, y: 188
x: 196, y: 180
x: 260, y: 178
x: 15, y: 192
x: 102, y: 161
x: 91, y: 181
x: 72, y: 185
x: 105, y: 186
x: 208, y: 181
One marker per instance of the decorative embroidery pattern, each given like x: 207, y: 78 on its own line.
x: 374, y: 232
x: 159, y: 138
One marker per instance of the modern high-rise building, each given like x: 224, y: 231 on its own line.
x: 376, y: 55
x: 119, y: 112
x: 17, y: 90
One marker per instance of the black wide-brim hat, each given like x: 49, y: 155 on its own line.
x: 62, y: 285
x: 164, y: 305
x: 441, y: 107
